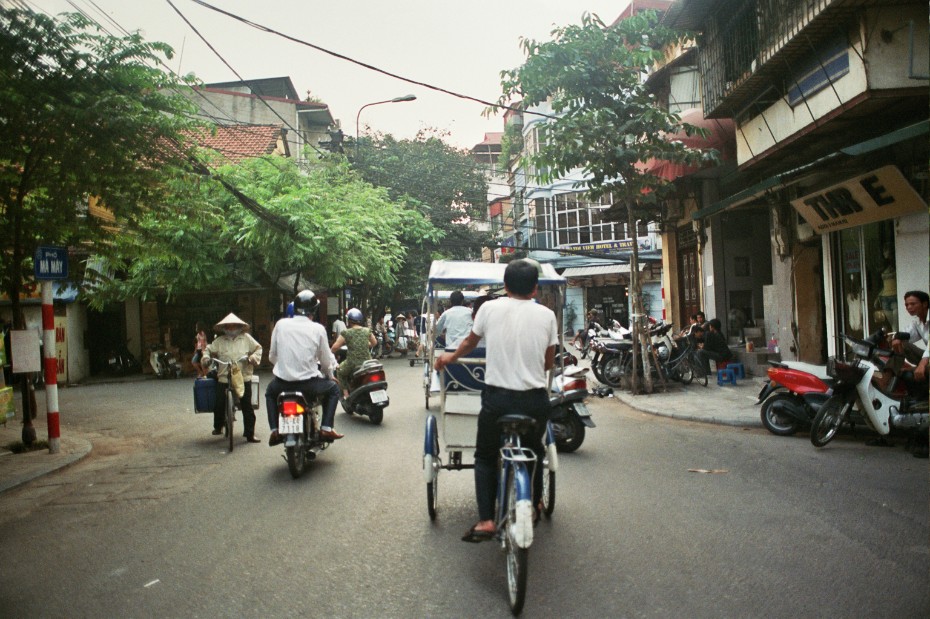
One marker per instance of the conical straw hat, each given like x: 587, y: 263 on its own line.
x: 231, y: 319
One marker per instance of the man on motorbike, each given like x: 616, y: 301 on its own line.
x: 358, y: 341
x: 916, y: 302
x: 302, y: 362
x: 233, y: 344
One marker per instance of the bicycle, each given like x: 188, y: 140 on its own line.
x: 515, y: 510
x: 232, y: 402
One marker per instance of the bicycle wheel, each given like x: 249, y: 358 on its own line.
x: 685, y: 372
x: 516, y: 556
x: 700, y: 376
x: 230, y: 416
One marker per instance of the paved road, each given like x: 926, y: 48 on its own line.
x: 161, y: 521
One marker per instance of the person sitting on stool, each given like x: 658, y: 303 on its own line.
x: 711, y: 344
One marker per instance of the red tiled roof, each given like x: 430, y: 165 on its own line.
x: 237, y: 142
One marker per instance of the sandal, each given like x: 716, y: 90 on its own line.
x: 476, y: 536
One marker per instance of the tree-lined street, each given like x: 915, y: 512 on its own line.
x: 161, y: 521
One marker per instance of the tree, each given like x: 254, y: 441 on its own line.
x: 81, y: 114
x: 605, y: 120
x: 444, y: 184
x: 322, y: 222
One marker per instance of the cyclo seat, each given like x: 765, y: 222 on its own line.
x: 521, y: 424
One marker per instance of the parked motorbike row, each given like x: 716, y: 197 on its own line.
x: 612, y: 360
x: 857, y: 389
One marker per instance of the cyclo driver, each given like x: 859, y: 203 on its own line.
x: 302, y: 362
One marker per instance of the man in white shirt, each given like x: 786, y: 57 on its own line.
x: 302, y: 362
x: 456, y: 321
x: 917, y: 304
x: 520, y: 337
x: 338, y: 327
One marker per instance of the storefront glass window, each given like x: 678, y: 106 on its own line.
x: 866, y: 295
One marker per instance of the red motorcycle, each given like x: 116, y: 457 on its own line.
x: 792, y: 396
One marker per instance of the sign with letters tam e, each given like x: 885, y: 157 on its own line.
x: 878, y: 195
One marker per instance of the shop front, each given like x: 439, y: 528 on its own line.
x: 875, y: 236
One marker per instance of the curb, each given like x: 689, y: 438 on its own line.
x: 24, y: 468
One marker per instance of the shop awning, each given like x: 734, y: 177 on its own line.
x: 720, y: 137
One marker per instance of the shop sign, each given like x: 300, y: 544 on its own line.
x: 876, y: 196
x: 644, y: 243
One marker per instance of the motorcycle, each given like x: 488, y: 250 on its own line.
x: 793, y: 395
x: 367, y: 392
x: 120, y: 361
x: 164, y: 363
x: 864, y: 382
x: 299, y: 427
x: 569, y: 415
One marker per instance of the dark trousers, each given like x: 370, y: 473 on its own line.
x: 327, y: 389
x: 496, y: 402
x: 248, y: 413
x: 706, y: 355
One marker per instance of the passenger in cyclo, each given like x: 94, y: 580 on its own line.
x: 302, y: 362
x: 456, y: 321
x: 358, y: 340
x: 233, y: 343
x: 521, y: 338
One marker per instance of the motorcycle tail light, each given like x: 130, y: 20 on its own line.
x: 375, y: 377
x: 575, y: 384
x: 290, y: 408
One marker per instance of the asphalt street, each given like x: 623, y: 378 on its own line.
x: 655, y: 517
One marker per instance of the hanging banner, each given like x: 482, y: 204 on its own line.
x: 879, y: 195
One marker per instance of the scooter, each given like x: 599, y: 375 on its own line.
x: 568, y: 413
x: 299, y: 426
x: 120, y: 361
x: 164, y: 363
x: 367, y: 392
x: 860, y: 382
x: 793, y: 395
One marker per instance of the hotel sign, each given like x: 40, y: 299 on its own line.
x: 645, y: 244
x: 881, y: 194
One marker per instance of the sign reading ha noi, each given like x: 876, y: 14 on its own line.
x: 878, y: 195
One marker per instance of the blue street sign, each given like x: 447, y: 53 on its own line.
x: 51, y: 262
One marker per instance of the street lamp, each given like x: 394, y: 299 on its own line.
x: 359, y: 115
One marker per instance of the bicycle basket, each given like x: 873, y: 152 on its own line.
x: 843, y: 370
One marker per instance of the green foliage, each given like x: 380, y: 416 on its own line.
x: 81, y: 113
x: 437, y: 181
x: 607, y: 121
x: 511, y: 143
x: 338, y: 228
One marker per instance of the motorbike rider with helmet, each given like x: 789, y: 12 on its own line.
x: 302, y: 362
x: 358, y: 341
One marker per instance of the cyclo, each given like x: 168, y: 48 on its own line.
x: 460, y: 386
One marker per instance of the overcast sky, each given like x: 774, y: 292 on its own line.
x: 458, y: 45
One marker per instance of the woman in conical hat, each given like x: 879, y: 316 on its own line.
x: 233, y: 344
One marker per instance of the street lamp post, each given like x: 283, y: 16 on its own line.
x: 359, y: 115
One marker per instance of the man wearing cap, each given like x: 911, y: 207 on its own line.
x: 233, y: 343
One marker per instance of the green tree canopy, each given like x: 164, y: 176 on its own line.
x: 438, y: 181
x: 322, y: 222
x: 81, y: 114
x: 605, y: 120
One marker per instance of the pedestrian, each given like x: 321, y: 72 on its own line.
x: 711, y: 344
x: 200, y: 342
x: 456, y: 322
x: 521, y: 337
x: 358, y: 340
x: 302, y: 362
x: 233, y: 343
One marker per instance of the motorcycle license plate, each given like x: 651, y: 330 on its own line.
x: 290, y: 424
x: 379, y: 396
x: 582, y: 409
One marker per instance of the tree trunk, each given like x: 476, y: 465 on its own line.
x: 634, y: 322
x: 638, y: 317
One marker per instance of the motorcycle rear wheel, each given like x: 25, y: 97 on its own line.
x: 296, y: 458
x: 828, y: 421
x: 572, y: 434
x: 376, y: 415
x: 779, y: 424
x: 614, y: 370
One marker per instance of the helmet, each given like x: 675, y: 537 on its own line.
x: 355, y: 315
x: 305, y: 303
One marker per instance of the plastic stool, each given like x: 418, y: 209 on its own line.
x: 726, y: 376
x: 738, y: 368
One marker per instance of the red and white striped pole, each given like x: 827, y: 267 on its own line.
x: 50, y: 367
